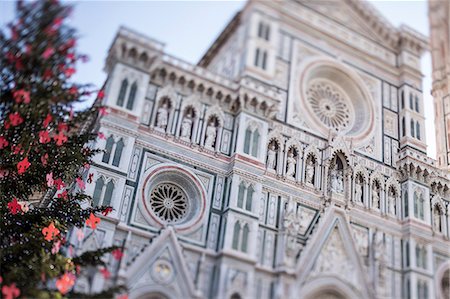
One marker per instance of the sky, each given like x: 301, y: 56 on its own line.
x: 189, y: 27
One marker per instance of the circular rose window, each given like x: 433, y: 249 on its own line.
x: 169, y: 202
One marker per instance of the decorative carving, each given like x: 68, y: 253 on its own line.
x: 272, y: 156
x: 169, y: 202
x: 162, y: 116
x: 291, y: 163
x: 310, y: 170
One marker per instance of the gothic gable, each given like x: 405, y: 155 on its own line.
x: 160, y: 269
x: 331, y: 255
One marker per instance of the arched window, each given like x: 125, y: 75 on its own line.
x: 118, y: 152
x: 425, y: 290
x: 236, y: 234
x: 424, y: 257
x: 132, y: 96
x: 406, y: 205
x: 412, y: 128
x: 407, y: 253
x: 264, y: 31
x: 108, y: 193
x: 235, y: 296
x: 408, y: 287
x: 257, y: 54
x: 403, y: 127
x: 98, y: 191
x: 411, y: 105
x: 418, y: 130
x: 421, y: 207
x: 245, y: 238
x: 417, y: 103
x: 108, y: 149
x: 247, y: 140
x: 264, y: 60
x: 249, y: 198
x: 241, y: 193
x: 416, y: 205
x: 403, y: 99
x: 122, y: 92
x: 418, y: 257
x: 255, y: 143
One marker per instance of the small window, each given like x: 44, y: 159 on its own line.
x: 417, y: 130
x: 108, y: 149
x: 411, y: 105
x: 417, y: 103
x: 98, y: 191
x: 264, y: 31
x: 118, y: 152
x: 132, y: 96
x: 261, y: 58
x: 402, y: 99
x: 257, y: 54
x: 406, y: 204
x: 412, y: 127
x: 264, y: 60
x: 236, y: 234
x: 403, y: 127
x: 248, y: 201
x: 245, y: 233
x: 255, y: 145
x: 108, y: 194
x: 248, y: 137
x: 241, y: 193
x: 122, y: 92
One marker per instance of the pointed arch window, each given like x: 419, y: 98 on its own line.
x: 411, y: 105
x: 108, y: 149
x: 98, y: 190
x: 406, y: 205
x: 417, y: 103
x: 251, y: 142
x: 248, y: 201
x: 255, y: 143
x: 118, y: 152
x: 264, y: 31
x: 241, y: 194
x: 132, y: 96
x: 236, y: 235
x: 412, y: 128
x: 403, y: 127
x: 108, y: 193
x: 103, y: 194
x: 403, y: 99
x: 245, y: 196
x: 122, y: 92
x: 248, y: 137
x: 245, y: 233
x: 417, y: 130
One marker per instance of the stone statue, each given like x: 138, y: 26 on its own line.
x: 162, y: 116
x: 375, y: 197
x: 291, y: 162
x: 310, y: 172
x: 436, y: 220
x: 337, y: 181
x: 271, y: 157
x: 391, y: 203
x: 186, y: 127
x: 358, y: 191
x: 211, y: 132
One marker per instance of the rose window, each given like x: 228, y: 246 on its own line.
x: 169, y: 202
x: 329, y: 105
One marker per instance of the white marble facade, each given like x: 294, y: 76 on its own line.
x: 288, y: 163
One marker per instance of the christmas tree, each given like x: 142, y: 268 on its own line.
x: 45, y: 150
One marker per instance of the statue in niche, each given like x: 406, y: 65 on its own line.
x: 271, y: 157
x: 359, y: 190
x: 376, y: 196
x: 379, y: 250
x: 186, y: 125
x: 310, y: 171
x: 162, y: 116
x: 436, y: 219
x: 291, y: 162
x: 292, y: 224
x: 391, y: 203
x: 211, y: 133
x: 337, y: 181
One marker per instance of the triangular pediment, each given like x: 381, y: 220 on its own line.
x: 332, y: 254
x: 355, y: 15
x: 160, y: 269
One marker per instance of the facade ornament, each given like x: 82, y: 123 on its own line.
x: 391, y: 203
x: 271, y: 157
x: 186, y: 126
x: 211, y: 133
x: 337, y: 181
x: 292, y: 224
x: 310, y: 171
x: 162, y: 116
x: 375, y: 196
x: 291, y: 163
x: 436, y: 219
x: 359, y: 191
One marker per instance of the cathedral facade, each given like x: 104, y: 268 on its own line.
x: 290, y: 162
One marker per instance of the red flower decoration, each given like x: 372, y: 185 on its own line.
x: 117, y: 254
x: 101, y: 94
x: 14, y: 207
x: 106, y: 274
x: 59, y: 184
x: 106, y: 211
x: 92, y: 221
x: 47, y: 53
x: 50, y: 232
x: 63, y: 194
x: 3, y: 142
x: 15, y: 119
x: 50, y: 180
x: 47, y: 120
x: 101, y: 135
x: 65, y: 283
x: 10, y: 291
x: 60, y: 138
x: 69, y: 71
x: 62, y: 127
x: 44, y: 137
x: 80, y: 183
x: 21, y: 96
x: 71, y: 57
x: 102, y: 111
x: 44, y: 159
x: 73, y: 91
x: 16, y: 149
x: 23, y: 165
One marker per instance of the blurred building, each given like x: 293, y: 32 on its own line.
x: 290, y: 162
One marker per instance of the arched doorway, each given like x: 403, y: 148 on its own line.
x: 328, y: 288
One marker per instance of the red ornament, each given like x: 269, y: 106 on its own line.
x: 44, y: 137
x: 80, y: 183
x: 16, y: 149
x: 57, y: 23
x: 92, y: 221
x: 23, y: 165
x: 90, y: 178
x: 60, y: 138
x: 62, y: 127
x: 10, y: 291
x: 50, y: 180
x: 63, y: 194
x: 47, y: 53
x: 65, y: 283
x: 47, y: 120
x: 106, y: 274
x: 73, y: 90
x: 71, y: 57
x: 102, y: 111
x: 21, y: 96
x: 50, y: 232
x: 3, y: 142
x: 106, y: 211
x: 59, y: 184
x: 44, y: 159
x: 101, y: 94
x: 101, y: 135
x: 14, y: 207
x: 117, y: 254
x: 69, y: 72
x: 15, y: 119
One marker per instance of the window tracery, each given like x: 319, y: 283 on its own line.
x: 169, y: 202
